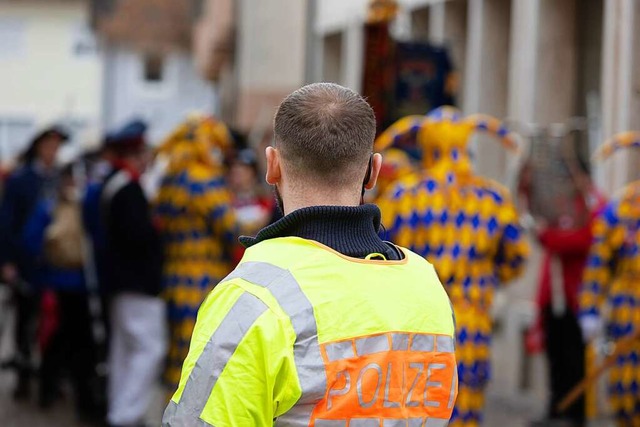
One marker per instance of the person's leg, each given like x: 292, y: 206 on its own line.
x: 180, y: 331
x: 145, y: 334
x: 81, y: 353
x: 473, y: 338
x: 26, y: 308
x: 117, y: 360
x: 554, y: 348
x: 573, y: 362
x: 469, y: 407
x: 53, y: 360
x: 624, y: 398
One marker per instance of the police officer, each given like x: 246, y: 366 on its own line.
x: 322, y: 323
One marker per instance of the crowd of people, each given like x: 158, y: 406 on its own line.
x: 109, y: 260
x: 110, y: 256
x: 469, y: 228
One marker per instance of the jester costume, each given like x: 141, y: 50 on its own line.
x: 397, y: 167
x: 466, y: 226
x: 611, y: 280
x: 198, y: 227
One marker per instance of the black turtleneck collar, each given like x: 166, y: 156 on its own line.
x: 350, y: 230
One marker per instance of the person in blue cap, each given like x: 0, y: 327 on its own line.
x: 132, y: 274
x: 34, y: 178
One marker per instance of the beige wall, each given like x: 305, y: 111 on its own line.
x: 270, y: 60
x: 555, y: 72
x: 521, y: 60
x: 43, y: 78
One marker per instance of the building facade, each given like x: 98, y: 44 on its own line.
x: 50, y: 70
x: 534, y: 62
x: 149, y: 70
x: 256, y: 53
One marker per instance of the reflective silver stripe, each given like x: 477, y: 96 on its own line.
x: 415, y: 422
x: 436, y: 422
x: 400, y: 342
x: 378, y: 369
x: 394, y: 422
x: 209, y: 366
x: 370, y: 345
x: 331, y: 423
x: 306, y: 350
x: 452, y: 393
x: 444, y: 344
x: 339, y: 392
x: 422, y: 342
x: 435, y: 384
x: 339, y: 350
x: 169, y: 414
x: 364, y: 422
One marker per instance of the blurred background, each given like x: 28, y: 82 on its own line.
x: 556, y: 66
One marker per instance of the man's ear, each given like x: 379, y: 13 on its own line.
x: 274, y: 173
x: 376, y: 164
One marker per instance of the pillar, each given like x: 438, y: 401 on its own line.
x: 487, y: 71
x: 448, y: 26
x: 621, y: 86
x: 522, y: 60
x: 555, y: 75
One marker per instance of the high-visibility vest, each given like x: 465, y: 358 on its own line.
x: 300, y: 335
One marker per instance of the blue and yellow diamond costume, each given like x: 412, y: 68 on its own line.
x: 198, y: 227
x: 397, y: 167
x: 465, y: 225
x: 612, y: 279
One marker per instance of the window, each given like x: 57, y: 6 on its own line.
x: 13, y: 38
x: 332, y: 67
x: 153, y: 68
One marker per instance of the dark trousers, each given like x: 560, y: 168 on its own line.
x: 71, y: 349
x: 566, y: 355
x: 25, y: 327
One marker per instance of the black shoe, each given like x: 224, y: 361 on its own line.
x: 23, y: 390
x: 46, y: 400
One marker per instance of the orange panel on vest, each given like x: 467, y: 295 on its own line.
x: 396, y: 375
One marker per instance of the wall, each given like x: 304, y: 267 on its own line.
x: 621, y: 99
x: 270, y: 57
x: 347, y: 17
x: 49, y: 69
x: 163, y: 104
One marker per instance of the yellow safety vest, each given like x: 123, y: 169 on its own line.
x: 300, y: 335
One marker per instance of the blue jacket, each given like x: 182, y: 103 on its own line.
x: 46, y: 276
x: 23, y: 189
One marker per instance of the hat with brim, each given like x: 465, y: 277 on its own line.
x: 130, y: 137
x: 52, y: 131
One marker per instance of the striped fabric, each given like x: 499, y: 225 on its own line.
x: 466, y: 226
x: 193, y: 208
x: 612, y: 280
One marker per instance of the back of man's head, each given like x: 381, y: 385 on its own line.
x: 325, y: 133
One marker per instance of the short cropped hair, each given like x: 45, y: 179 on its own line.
x: 325, y: 134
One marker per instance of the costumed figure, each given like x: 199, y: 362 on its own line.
x: 610, y: 285
x: 397, y: 166
x: 465, y: 225
x: 198, y: 227
x: 562, y: 202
